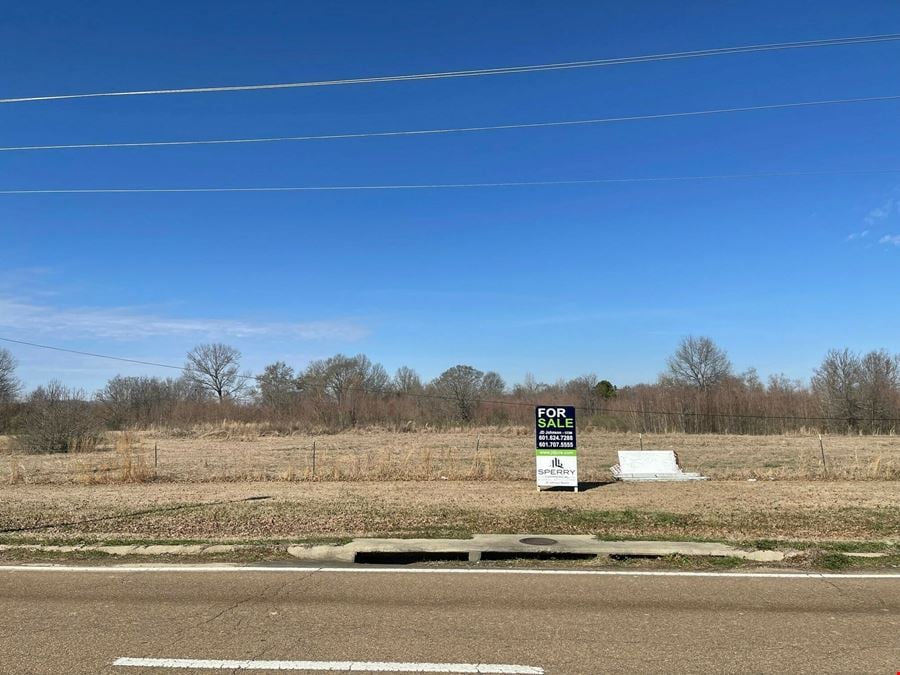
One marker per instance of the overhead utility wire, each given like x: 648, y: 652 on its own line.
x: 451, y: 398
x: 98, y: 356
x: 507, y: 70
x: 445, y: 186
x: 453, y: 130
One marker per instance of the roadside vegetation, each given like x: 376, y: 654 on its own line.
x: 346, y: 419
x: 697, y: 392
x: 722, y: 511
x: 248, y: 452
x: 344, y: 449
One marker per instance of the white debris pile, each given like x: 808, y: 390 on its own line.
x: 651, y: 465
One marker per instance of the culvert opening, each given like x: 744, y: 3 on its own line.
x: 412, y: 557
x: 406, y: 557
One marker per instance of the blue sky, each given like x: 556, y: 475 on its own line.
x: 553, y: 280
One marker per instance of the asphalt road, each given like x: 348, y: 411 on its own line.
x: 81, y: 622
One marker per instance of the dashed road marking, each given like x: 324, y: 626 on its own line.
x: 342, y: 666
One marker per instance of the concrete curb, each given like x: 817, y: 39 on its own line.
x: 135, y: 549
x: 481, y: 544
x: 474, y: 549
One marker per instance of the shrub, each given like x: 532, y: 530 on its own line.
x: 58, y: 419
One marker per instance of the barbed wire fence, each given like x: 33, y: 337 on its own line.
x: 474, y: 423
x: 235, y: 451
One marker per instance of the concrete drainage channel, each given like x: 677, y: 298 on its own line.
x: 407, y: 557
x: 406, y: 551
x: 508, y: 547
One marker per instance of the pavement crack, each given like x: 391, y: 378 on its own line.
x: 180, y: 633
x: 294, y: 580
x: 862, y: 596
x: 270, y: 591
x: 225, y: 611
x: 837, y: 588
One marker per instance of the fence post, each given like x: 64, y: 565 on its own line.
x: 155, y: 455
x: 314, y: 460
x: 822, y: 448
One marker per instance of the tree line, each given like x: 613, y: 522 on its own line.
x: 698, y: 392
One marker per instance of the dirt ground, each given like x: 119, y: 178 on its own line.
x: 239, y: 453
x: 734, y: 510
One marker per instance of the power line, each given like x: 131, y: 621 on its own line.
x: 448, y: 186
x: 453, y: 130
x: 98, y: 356
x: 364, y: 390
x: 507, y: 70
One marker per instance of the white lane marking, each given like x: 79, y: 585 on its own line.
x: 345, y: 666
x: 210, y: 569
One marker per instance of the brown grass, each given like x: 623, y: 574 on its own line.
x: 247, y: 452
x: 129, y: 464
x: 426, y: 482
x: 16, y: 473
x: 734, y: 510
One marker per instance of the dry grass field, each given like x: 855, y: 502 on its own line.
x: 427, y: 483
x: 731, y: 510
x: 234, y: 452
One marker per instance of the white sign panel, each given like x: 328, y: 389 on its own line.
x: 648, y: 461
x: 557, y: 470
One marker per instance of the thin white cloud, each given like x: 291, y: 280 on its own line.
x: 122, y: 323
x: 881, y: 212
x: 857, y: 235
x: 890, y: 240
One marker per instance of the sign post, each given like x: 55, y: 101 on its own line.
x: 555, y: 446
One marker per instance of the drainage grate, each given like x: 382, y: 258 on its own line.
x: 538, y: 541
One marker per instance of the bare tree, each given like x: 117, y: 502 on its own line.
x: 837, y: 384
x: 698, y: 362
x: 583, y: 389
x: 342, y: 377
x: 529, y: 387
x: 59, y: 419
x: 782, y: 384
x: 461, y: 385
x: 278, y: 387
x: 749, y: 379
x: 345, y: 384
x: 9, y: 385
x: 407, y: 381
x: 136, y: 400
x: 492, y: 385
x: 880, y: 388
x: 215, y: 367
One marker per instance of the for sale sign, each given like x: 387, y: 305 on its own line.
x: 556, y: 447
